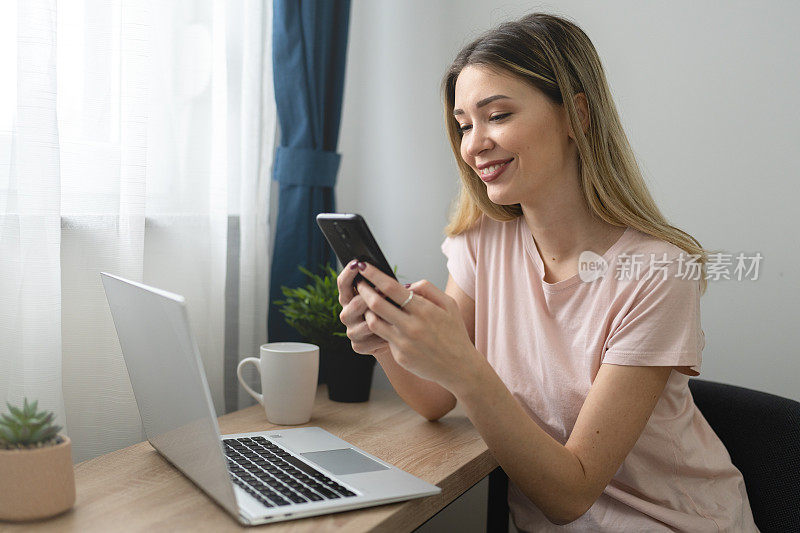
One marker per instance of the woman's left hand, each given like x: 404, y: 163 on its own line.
x: 427, y: 336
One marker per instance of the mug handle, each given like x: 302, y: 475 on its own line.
x: 256, y: 361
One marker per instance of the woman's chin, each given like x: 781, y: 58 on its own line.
x: 499, y: 198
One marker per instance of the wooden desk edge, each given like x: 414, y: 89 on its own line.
x: 416, y: 512
x: 402, y: 516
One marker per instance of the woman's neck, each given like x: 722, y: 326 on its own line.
x: 563, y: 226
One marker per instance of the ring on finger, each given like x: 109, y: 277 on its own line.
x: 410, y: 297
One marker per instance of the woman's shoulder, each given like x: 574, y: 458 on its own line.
x: 494, y: 236
x: 488, y: 226
x: 644, y: 244
x: 483, y: 223
x: 485, y: 236
x: 653, y: 263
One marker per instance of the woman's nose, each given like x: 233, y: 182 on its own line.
x: 477, y: 141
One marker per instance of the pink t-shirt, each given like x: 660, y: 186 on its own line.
x: 547, y: 341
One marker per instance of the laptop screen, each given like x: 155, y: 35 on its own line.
x: 169, y: 383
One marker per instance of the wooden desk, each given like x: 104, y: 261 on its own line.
x: 136, y: 489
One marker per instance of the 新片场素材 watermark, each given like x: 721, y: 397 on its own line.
x: 631, y: 267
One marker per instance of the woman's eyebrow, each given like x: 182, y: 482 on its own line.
x: 482, y: 102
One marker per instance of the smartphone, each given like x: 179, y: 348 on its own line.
x: 350, y: 238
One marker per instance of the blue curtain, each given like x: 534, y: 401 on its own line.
x: 309, y: 45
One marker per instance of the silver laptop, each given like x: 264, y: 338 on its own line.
x: 257, y: 477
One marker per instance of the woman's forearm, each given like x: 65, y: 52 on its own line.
x: 429, y: 399
x: 548, y: 473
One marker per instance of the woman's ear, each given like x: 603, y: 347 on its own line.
x: 582, y: 107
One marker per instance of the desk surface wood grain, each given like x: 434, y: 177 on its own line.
x: 136, y: 489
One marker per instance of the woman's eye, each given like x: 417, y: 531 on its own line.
x: 466, y: 127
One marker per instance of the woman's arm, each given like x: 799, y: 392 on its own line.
x: 564, y: 480
x: 466, y: 306
x: 426, y: 397
x: 428, y: 338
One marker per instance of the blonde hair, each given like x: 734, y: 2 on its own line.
x: 556, y: 57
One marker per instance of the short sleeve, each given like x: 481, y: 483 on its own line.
x: 661, y: 327
x: 461, y: 261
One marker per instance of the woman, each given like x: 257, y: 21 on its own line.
x: 578, y: 383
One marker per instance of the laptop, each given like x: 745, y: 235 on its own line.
x: 258, y: 477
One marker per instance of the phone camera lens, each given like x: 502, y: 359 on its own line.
x: 339, y: 229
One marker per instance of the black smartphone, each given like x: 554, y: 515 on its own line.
x: 350, y: 238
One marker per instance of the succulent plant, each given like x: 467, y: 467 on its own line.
x: 27, y: 427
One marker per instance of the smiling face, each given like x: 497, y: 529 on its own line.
x: 514, y: 138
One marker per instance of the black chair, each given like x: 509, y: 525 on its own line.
x: 762, y: 434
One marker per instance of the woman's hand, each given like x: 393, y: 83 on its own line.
x: 363, y: 340
x: 427, y: 336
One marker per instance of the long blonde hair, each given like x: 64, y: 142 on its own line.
x: 556, y: 56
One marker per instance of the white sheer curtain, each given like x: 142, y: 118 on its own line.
x: 133, y: 136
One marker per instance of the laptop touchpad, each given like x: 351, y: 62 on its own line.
x: 344, y: 461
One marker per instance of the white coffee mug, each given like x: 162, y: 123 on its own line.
x: 288, y: 381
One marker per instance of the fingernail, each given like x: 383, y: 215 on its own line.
x: 361, y: 266
x: 407, y: 285
x: 353, y: 265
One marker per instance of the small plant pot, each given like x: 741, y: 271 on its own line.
x: 349, y: 374
x: 36, y: 483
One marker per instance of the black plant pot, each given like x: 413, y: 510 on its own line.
x: 347, y: 373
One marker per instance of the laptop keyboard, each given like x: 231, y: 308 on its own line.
x: 275, y: 477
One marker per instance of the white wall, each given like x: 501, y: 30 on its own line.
x: 707, y: 93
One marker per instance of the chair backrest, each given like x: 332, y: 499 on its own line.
x: 762, y: 434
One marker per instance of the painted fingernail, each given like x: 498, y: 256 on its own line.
x: 353, y: 265
x: 407, y: 285
x: 361, y: 266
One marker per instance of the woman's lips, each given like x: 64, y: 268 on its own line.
x: 496, y: 174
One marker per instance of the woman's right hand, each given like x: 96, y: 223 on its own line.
x: 352, y: 315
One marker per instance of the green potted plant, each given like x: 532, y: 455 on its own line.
x: 36, y: 476
x: 313, y: 311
